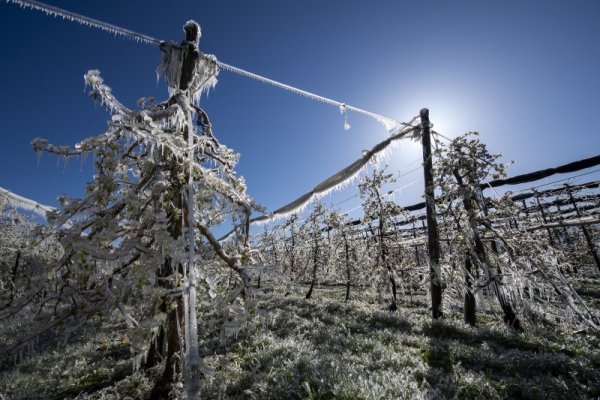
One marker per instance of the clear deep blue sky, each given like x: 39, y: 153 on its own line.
x: 522, y: 73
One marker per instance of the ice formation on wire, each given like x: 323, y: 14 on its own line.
x: 391, y: 125
x: 344, y: 176
x: 83, y: 20
x: 26, y: 204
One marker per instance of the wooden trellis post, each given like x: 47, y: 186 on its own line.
x: 433, y: 235
x: 586, y: 233
x: 416, y: 246
x: 545, y: 220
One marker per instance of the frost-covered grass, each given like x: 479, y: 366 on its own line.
x: 80, y: 367
x: 324, y: 348
x: 327, y: 349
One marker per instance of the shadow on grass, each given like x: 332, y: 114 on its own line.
x: 495, y: 364
x: 438, y: 356
x: 322, y: 347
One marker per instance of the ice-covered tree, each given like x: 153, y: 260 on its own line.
x: 291, y: 244
x: 314, y: 228
x: 378, y: 217
x: 25, y: 257
x: 139, y: 241
x: 515, y: 265
x: 344, y: 256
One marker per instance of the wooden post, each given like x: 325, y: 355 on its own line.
x: 191, y: 54
x: 347, y: 253
x: 184, y: 314
x: 433, y: 235
x: 525, y: 212
x: 470, y: 303
x: 545, y: 220
x: 417, y: 258
x: 586, y: 233
x: 565, y: 234
x: 293, y: 247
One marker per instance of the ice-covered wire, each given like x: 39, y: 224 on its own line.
x: 389, y: 123
x: 26, y: 204
x: 392, y: 125
x: 342, y: 177
x: 83, y: 20
x: 400, y: 175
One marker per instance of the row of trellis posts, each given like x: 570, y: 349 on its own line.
x: 550, y: 216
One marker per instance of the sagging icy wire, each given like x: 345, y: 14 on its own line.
x: 26, y: 204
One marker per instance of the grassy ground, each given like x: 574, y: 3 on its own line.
x: 324, y: 348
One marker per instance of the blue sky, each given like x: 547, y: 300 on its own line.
x: 522, y: 73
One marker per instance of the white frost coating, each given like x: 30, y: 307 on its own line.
x: 107, y: 99
x: 26, y: 204
x: 153, y: 138
x: 192, y: 355
x: 205, y: 71
x: 39, y: 144
x: 231, y: 328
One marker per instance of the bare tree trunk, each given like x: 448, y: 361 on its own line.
x: 172, y: 333
x: 292, y: 252
x: 347, y: 252
x: 314, y: 270
x: 13, y: 291
x: 433, y: 236
x: 469, y: 310
x: 586, y: 233
x: 174, y: 351
x: 384, y: 260
x: 479, y: 256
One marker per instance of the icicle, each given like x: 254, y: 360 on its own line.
x: 39, y: 145
x: 343, y: 111
x: 231, y: 328
x: 193, y: 362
